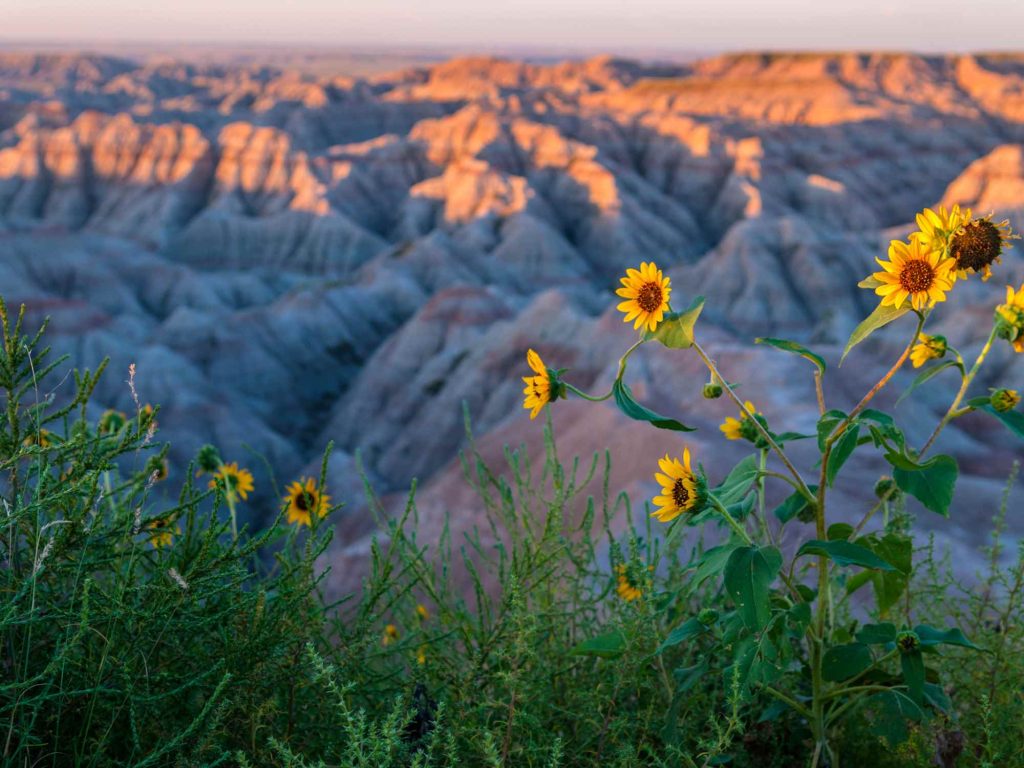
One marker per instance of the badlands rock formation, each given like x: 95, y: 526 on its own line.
x: 291, y: 259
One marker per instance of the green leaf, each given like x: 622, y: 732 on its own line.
x: 841, y: 662
x: 786, y: 437
x: 748, y: 576
x: 712, y: 562
x: 927, y: 374
x: 839, y: 532
x: 796, y: 349
x: 912, y: 664
x: 877, y: 634
x: 896, y: 549
x: 841, y: 451
x: 932, y: 484
x: 633, y: 409
x: 690, y: 628
x: 869, y: 282
x: 881, y: 317
x: 737, y: 483
x: 936, y: 696
x: 892, y: 709
x: 1013, y: 420
x: 609, y: 646
x: 675, y: 330
x: 826, y: 424
x: 845, y: 553
x: 794, y: 504
x: 952, y: 636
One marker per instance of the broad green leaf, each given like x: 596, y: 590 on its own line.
x: 877, y: 634
x: 609, y: 646
x: 796, y: 349
x: 896, y: 549
x: 892, y: 710
x: 842, y: 449
x: 687, y: 677
x: 787, y: 437
x: 748, y: 577
x: 629, y: 406
x: 889, y: 588
x: 712, y: 562
x: 932, y: 484
x: 927, y: 374
x: 1013, y: 420
x: 936, y: 696
x: 794, y: 504
x: 845, y: 553
x: 881, y: 317
x: 675, y: 330
x: 690, y: 628
x: 912, y: 665
x: 737, y: 483
x: 952, y: 636
x: 826, y: 424
x: 839, y: 532
x: 858, y: 580
x: 841, y: 662
x: 877, y: 416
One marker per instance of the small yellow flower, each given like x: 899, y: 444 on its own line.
x: 304, y: 500
x: 914, y: 272
x: 741, y: 428
x: 938, y: 226
x: 421, y: 655
x: 647, y: 293
x: 421, y: 612
x: 682, y: 489
x: 625, y: 588
x: 163, y: 534
x: 111, y: 422
x: 927, y: 348
x: 538, y: 389
x: 1010, y: 318
x: 978, y: 244
x: 390, y: 635
x: 1004, y: 400
x: 230, y: 479
x: 147, y: 415
x: 41, y: 437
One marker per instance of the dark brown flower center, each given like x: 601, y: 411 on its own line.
x: 302, y: 501
x: 977, y: 245
x: 649, y: 297
x: 916, y: 275
x: 679, y: 494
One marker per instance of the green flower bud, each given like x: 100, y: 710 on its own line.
x: 707, y: 617
x: 712, y: 391
x: 886, y: 488
x: 1004, y: 400
x: 208, y: 459
x: 908, y: 641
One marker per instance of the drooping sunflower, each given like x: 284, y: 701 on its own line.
x: 741, y: 428
x: 915, y: 272
x: 163, y: 532
x: 646, y: 292
x: 937, y: 226
x: 304, y: 500
x: 682, y: 489
x: 232, y: 480
x: 978, y: 244
x: 928, y: 348
x: 625, y: 587
x: 541, y: 388
x: 1010, y: 318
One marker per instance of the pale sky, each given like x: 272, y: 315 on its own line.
x: 585, y: 25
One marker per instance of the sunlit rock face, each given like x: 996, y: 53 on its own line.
x: 293, y: 259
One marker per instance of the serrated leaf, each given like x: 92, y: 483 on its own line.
x: 690, y: 628
x: 932, y: 483
x: 845, y: 553
x: 951, y: 636
x: 842, y: 449
x: 629, y: 406
x: 877, y: 634
x: 1012, y: 420
x: 881, y: 317
x: 609, y: 646
x: 675, y: 330
x: 748, y: 577
x: 841, y: 662
x: 791, y: 346
x: 927, y: 374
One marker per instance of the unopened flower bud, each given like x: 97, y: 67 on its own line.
x: 908, y: 641
x: 885, y: 488
x: 712, y: 391
x: 208, y: 459
x: 1004, y: 400
x: 707, y: 617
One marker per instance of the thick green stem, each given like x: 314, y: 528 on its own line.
x: 618, y: 377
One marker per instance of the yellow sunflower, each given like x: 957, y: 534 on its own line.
x: 231, y: 479
x: 1010, y: 318
x: 937, y: 226
x: 421, y: 612
x: 682, y: 489
x: 625, y: 588
x: 305, y: 500
x: 927, y: 348
x: 741, y: 428
x: 390, y: 635
x: 538, y: 389
x: 646, y: 292
x: 41, y: 437
x: 978, y: 244
x: 163, y: 534
x: 915, y: 272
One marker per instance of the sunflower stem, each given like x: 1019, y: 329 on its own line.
x: 733, y: 523
x: 584, y: 395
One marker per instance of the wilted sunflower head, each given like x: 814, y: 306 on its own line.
x: 305, y: 500
x: 646, y: 292
x: 978, y: 244
x: 928, y: 348
x: 914, y: 272
x: 682, y: 489
x: 541, y: 388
